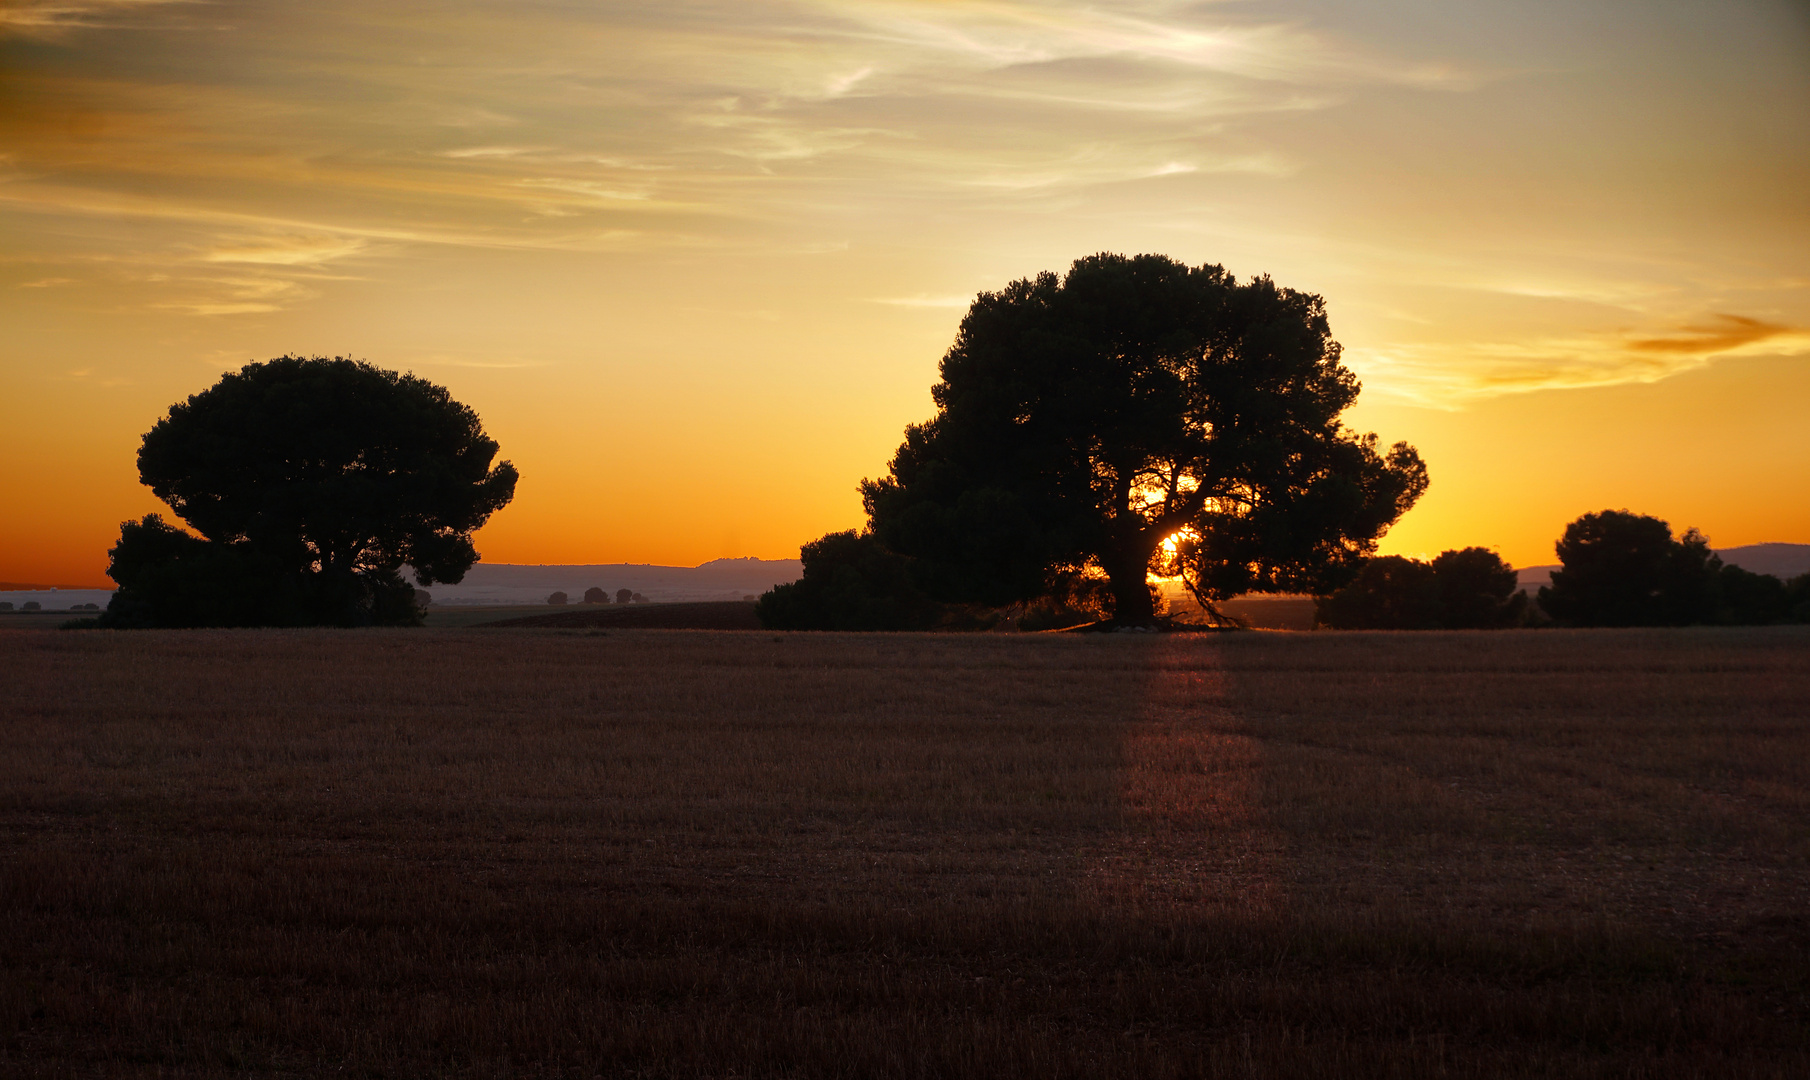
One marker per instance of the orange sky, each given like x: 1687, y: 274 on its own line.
x: 695, y: 264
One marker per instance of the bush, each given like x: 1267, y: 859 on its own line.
x: 558, y: 599
x: 595, y: 595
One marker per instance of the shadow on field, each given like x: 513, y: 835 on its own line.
x: 828, y: 855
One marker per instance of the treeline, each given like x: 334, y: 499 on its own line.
x: 1618, y: 569
x: 599, y: 595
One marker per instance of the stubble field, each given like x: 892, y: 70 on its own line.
x: 669, y: 853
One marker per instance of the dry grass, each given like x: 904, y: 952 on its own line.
x: 665, y: 853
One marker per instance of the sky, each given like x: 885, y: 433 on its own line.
x: 694, y: 262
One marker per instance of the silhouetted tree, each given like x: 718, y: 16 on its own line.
x: 624, y: 596
x: 850, y: 582
x: 557, y: 599
x: 638, y: 598
x: 1466, y: 589
x: 1745, y: 598
x: 1624, y: 569
x: 595, y: 595
x: 1389, y: 593
x: 312, y: 483
x: 1797, y: 599
x: 1477, y: 590
x: 1084, y: 420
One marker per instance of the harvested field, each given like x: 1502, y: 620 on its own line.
x: 698, y: 615
x: 637, y: 852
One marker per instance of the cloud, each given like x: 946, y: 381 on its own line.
x: 289, y: 251
x: 1450, y: 375
x: 45, y: 17
x: 1729, y: 332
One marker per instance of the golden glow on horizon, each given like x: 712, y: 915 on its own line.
x: 694, y: 266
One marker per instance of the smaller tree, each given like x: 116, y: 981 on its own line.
x: 595, y: 595
x: 625, y: 596
x: 312, y: 483
x: 638, y: 598
x: 558, y: 599
x: 1797, y: 599
x: 850, y: 582
x: 1389, y: 593
x: 1624, y: 569
x: 1464, y: 589
x: 1477, y: 590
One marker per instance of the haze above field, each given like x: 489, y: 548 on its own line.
x: 695, y: 264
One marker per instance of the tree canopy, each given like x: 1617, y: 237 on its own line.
x: 312, y: 482
x: 1140, y: 414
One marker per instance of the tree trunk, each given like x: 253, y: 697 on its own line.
x: 1130, y: 580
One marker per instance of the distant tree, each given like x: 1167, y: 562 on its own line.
x: 595, y: 595
x: 558, y: 599
x: 1624, y: 569
x: 423, y: 599
x: 1083, y: 421
x: 6, y: 605
x: 1745, y: 598
x: 1465, y: 589
x: 1389, y: 593
x: 1797, y: 599
x: 625, y: 596
x: 1477, y: 590
x: 312, y: 482
x: 850, y: 582
x: 32, y: 605
x: 638, y: 598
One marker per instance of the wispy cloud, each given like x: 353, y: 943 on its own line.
x: 47, y: 17
x: 1451, y: 375
x: 289, y: 250
x: 1728, y: 333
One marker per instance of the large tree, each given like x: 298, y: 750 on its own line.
x: 312, y: 482
x: 1136, y: 415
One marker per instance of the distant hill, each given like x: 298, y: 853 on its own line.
x: 524, y: 583
x: 1780, y: 560
x: 1784, y: 561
